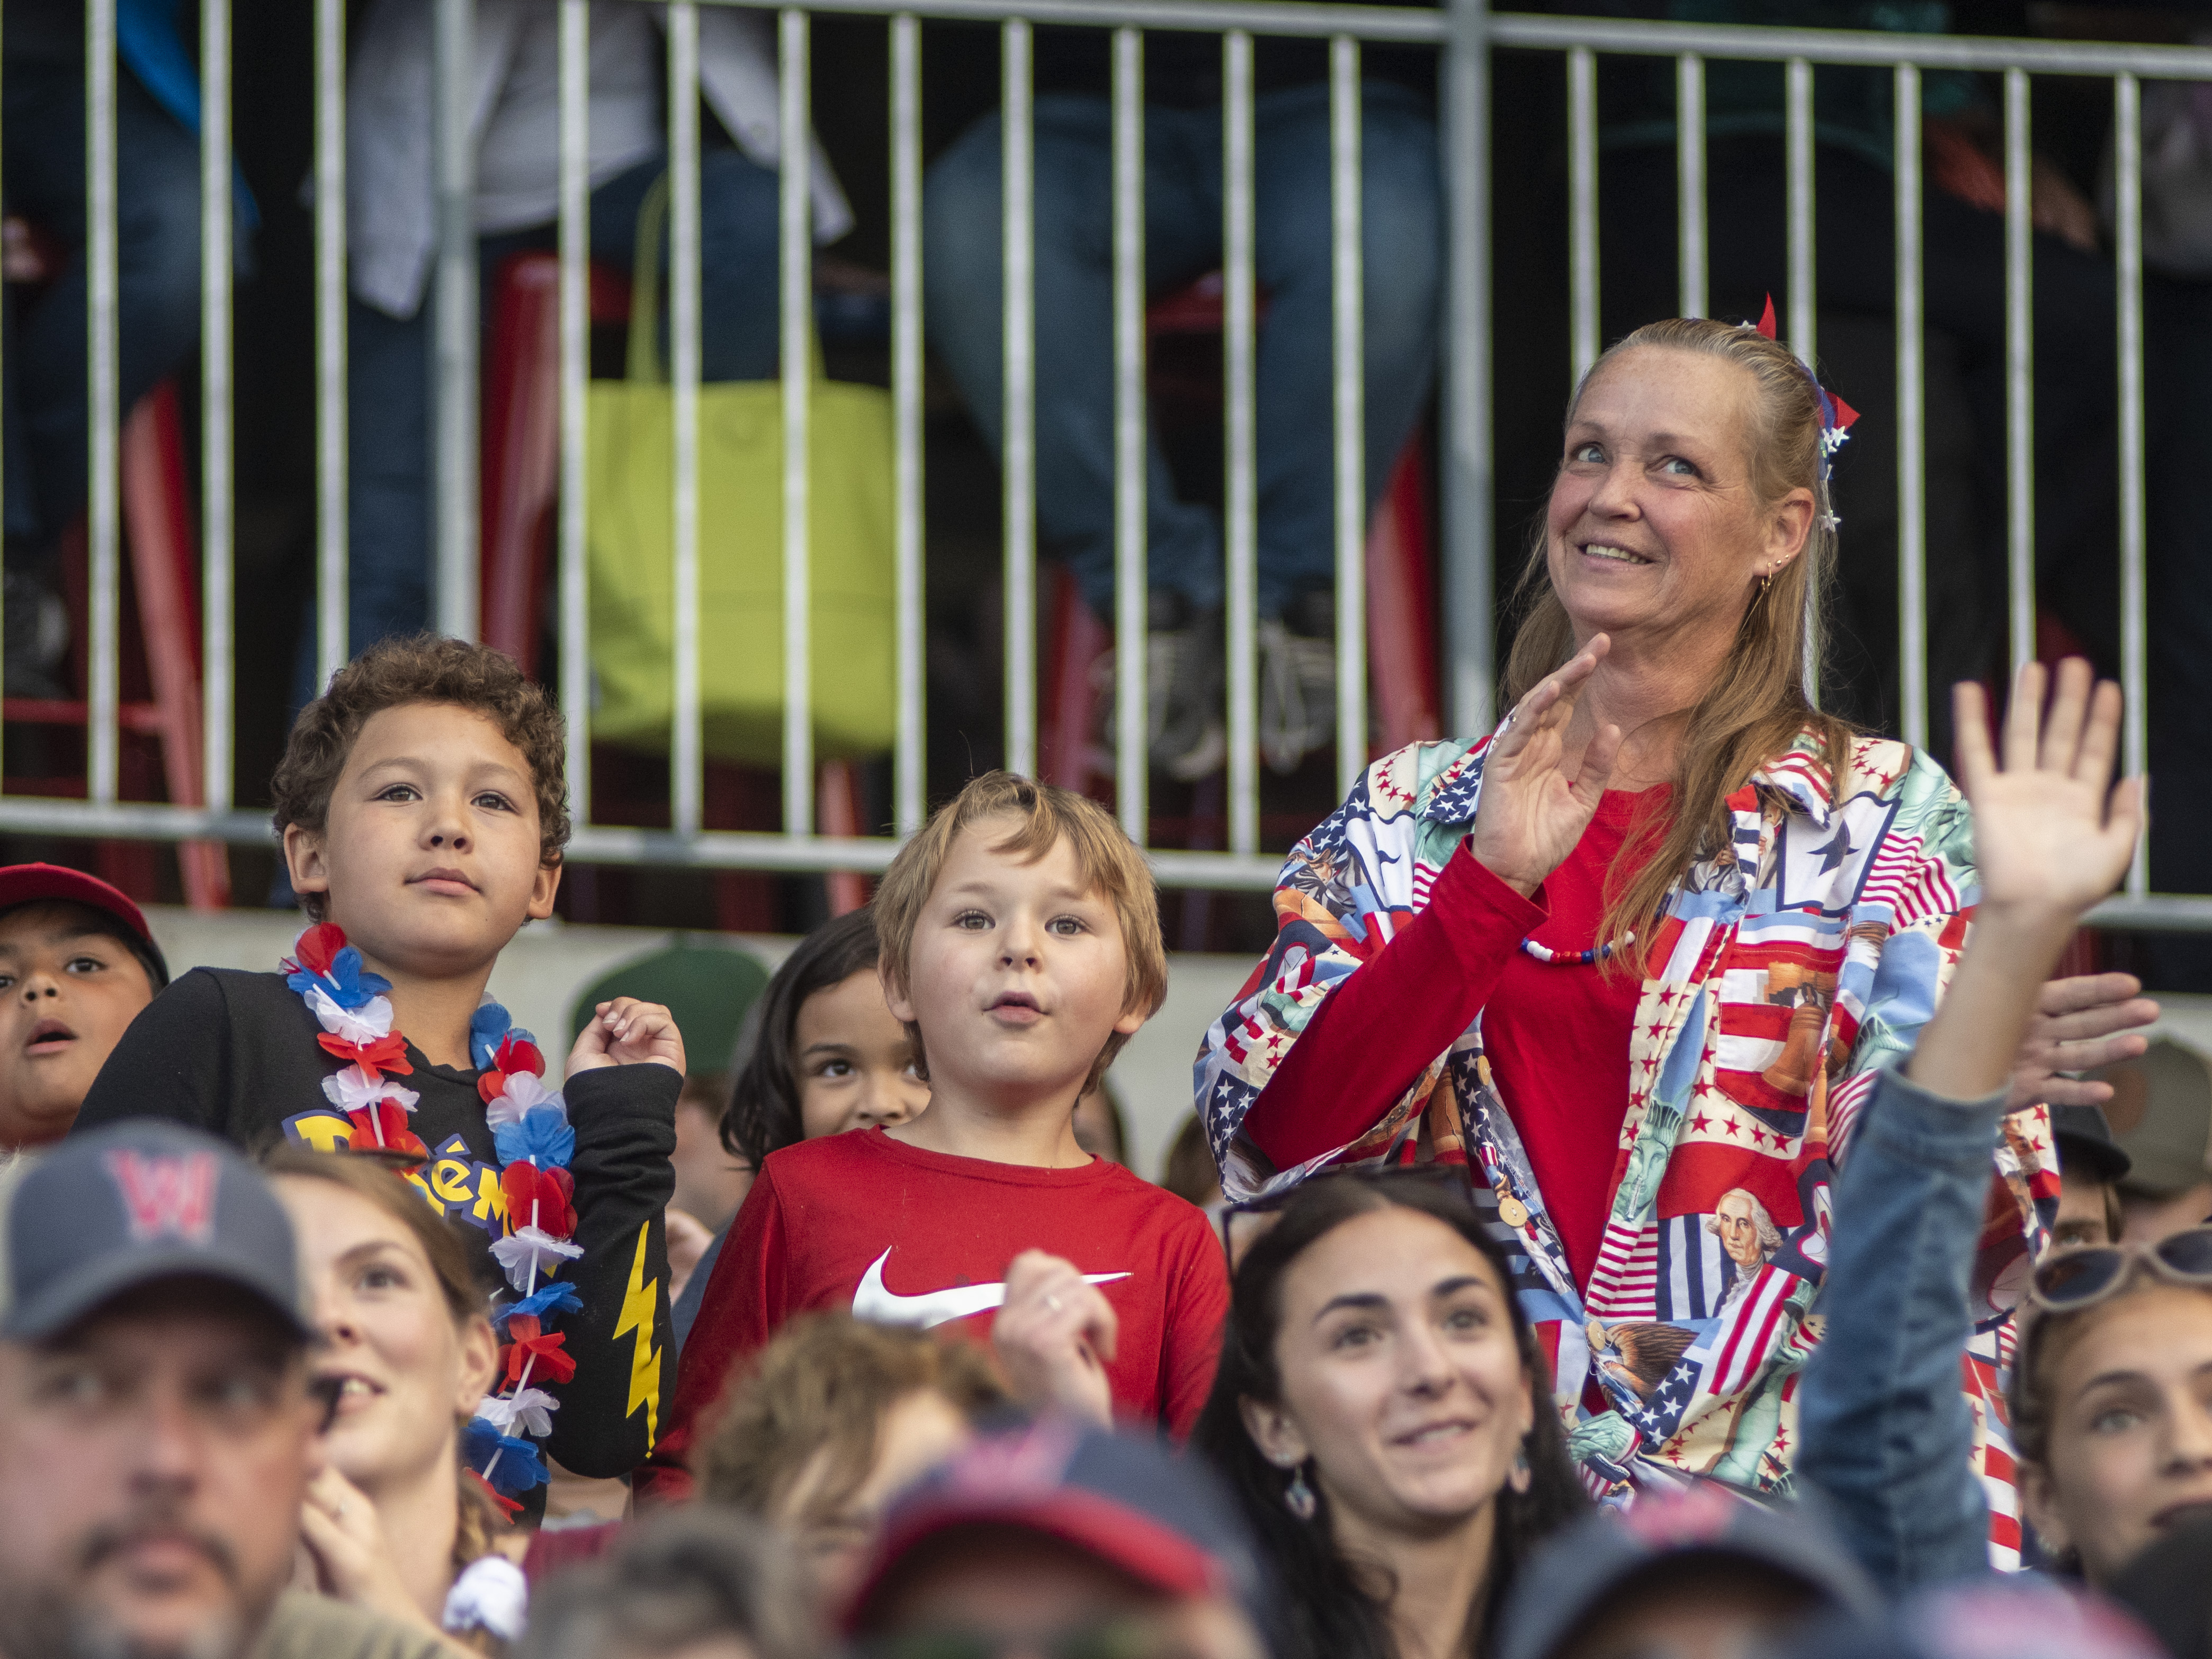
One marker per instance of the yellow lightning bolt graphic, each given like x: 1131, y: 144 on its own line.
x: 637, y: 1316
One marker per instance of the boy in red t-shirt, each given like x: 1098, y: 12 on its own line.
x: 1021, y: 947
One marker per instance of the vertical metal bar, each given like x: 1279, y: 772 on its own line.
x: 1802, y: 326
x: 1803, y: 271
x: 2127, y: 256
x: 909, y: 781
x: 458, y: 317
x: 1130, y: 566
x: 1469, y: 565
x: 331, y: 506
x: 3, y: 626
x: 2020, y: 373
x: 1912, y: 423
x: 796, y: 291
x: 686, y: 751
x: 1240, y: 523
x: 575, y: 240
x: 104, y: 506
x: 218, y: 676
x: 1582, y: 208
x: 1018, y: 215
x: 1690, y: 179
x: 1349, y: 296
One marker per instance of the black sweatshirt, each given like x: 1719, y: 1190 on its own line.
x: 235, y: 1054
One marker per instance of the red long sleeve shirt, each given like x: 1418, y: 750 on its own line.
x: 1556, y: 1034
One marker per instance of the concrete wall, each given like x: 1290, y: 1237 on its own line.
x: 541, y: 973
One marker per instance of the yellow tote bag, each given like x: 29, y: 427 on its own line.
x: 631, y: 559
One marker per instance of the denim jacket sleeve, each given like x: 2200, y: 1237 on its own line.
x: 1885, y: 1433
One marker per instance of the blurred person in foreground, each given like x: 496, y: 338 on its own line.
x: 77, y: 963
x: 701, y: 1584
x: 158, y: 1429
x: 1703, y: 1574
x: 1054, y: 1538
x: 838, y: 1416
x: 1382, y: 1412
x: 397, y: 1521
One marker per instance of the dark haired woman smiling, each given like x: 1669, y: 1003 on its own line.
x: 1383, y: 1413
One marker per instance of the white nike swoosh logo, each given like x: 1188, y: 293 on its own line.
x: 873, y: 1303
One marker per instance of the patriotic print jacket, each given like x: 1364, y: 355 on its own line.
x: 1787, y: 972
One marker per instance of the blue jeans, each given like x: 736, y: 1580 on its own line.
x: 1401, y: 227
x: 390, y: 496
x: 1884, y: 1431
x: 157, y: 190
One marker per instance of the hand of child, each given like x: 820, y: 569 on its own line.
x: 1053, y: 1335
x: 2074, y: 1029
x: 625, y: 1032
x: 688, y: 1239
x: 345, y: 1537
x: 2052, y: 835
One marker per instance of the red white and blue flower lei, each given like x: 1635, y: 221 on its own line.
x: 535, y: 1146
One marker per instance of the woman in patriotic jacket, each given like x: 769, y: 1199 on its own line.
x: 1636, y: 959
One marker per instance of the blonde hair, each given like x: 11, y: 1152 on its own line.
x: 1108, y: 861
x: 826, y: 1383
x: 380, y: 1182
x: 1757, y: 706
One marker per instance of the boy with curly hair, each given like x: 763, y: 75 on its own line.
x: 422, y: 805
x: 1021, y: 948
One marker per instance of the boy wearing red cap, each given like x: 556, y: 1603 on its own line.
x: 76, y: 964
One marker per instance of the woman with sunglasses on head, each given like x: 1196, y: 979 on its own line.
x: 2111, y: 1400
x: 1383, y: 1413
x: 395, y: 1522
x: 2112, y: 1385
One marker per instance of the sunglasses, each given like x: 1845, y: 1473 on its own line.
x: 2068, y: 1281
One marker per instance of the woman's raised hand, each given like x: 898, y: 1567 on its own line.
x: 1531, y: 813
x: 2052, y: 834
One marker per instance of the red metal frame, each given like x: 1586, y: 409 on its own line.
x: 164, y: 554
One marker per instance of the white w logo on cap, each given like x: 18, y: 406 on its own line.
x: 167, y: 1196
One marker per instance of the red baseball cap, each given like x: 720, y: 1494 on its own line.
x: 1122, y: 1500
x: 29, y: 884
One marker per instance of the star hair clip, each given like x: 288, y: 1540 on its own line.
x: 1836, y: 415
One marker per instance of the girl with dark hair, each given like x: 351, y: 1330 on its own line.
x: 1384, y: 1415
x: 828, y: 1056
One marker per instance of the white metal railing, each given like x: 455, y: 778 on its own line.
x: 1465, y: 34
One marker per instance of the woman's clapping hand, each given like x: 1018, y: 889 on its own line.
x: 1531, y: 812
x: 2053, y: 833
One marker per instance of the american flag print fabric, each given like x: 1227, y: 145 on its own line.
x: 1788, y: 970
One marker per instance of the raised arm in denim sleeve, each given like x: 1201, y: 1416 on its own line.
x: 1884, y: 1431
